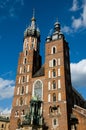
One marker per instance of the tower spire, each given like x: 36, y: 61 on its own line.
x: 33, y: 12
x: 32, y: 30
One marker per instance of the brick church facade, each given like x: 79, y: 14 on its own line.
x: 43, y: 96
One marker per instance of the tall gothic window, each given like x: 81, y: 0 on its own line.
x: 26, y: 52
x: 25, y: 60
x: 38, y: 89
x: 54, y: 85
x: 21, y: 101
x: 54, y: 121
x: 23, y: 80
x: 53, y: 50
x: 54, y: 62
x: 54, y: 73
x: 2, y: 126
x: 54, y: 97
x: 22, y: 90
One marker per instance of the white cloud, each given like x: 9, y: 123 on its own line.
x: 81, y: 21
x: 6, y: 88
x: 78, y: 73
x: 66, y: 29
x: 77, y: 23
x: 75, y: 6
x: 5, y: 111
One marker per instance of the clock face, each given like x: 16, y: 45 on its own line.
x: 38, y: 89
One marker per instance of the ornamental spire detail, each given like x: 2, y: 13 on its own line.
x: 32, y: 29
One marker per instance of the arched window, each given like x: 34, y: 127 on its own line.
x: 54, y: 62
x: 54, y: 85
x: 25, y: 60
x: 2, y: 126
x: 37, y: 90
x: 22, y: 90
x: 53, y: 50
x: 23, y: 80
x: 26, y: 52
x: 54, y: 121
x: 54, y: 97
x: 21, y: 101
x: 54, y: 73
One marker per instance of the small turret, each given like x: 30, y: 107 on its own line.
x: 57, y: 34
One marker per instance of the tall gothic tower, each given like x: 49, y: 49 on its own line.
x: 49, y: 83
x: 29, y: 62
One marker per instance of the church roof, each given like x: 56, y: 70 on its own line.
x: 39, y: 73
x: 4, y: 119
x: 77, y: 93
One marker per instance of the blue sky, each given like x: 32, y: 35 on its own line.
x: 15, y: 16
